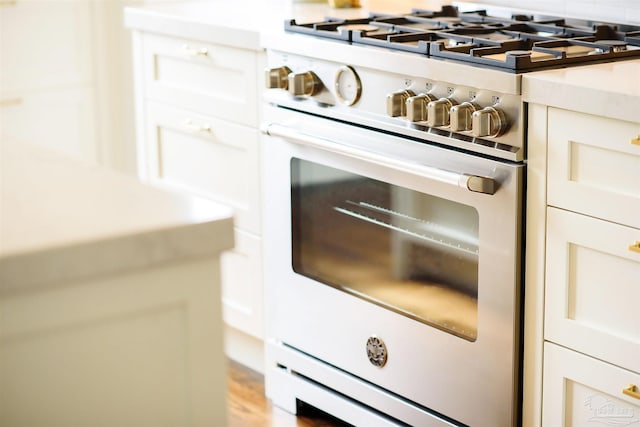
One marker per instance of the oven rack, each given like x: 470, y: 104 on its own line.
x: 466, y: 246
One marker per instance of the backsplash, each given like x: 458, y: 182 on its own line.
x: 624, y: 11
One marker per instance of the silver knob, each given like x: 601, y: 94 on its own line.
x: 417, y: 107
x: 488, y: 122
x: 277, y: 78
x: 438, y: 112
x: 396, y: 103
x: 460, y: 116
x: 304, y: 84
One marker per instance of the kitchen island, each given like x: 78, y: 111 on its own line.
x: 109, y: 297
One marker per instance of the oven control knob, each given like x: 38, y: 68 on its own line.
x: 488, y: 122
x: 277, y: 78
x: 460, y: 116
x: 396, y: 103
x: 438, y: 112
x: 304, y: 84
x: 417, y: 107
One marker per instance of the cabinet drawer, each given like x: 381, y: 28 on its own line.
x: 211, y: 79
x: 581, y: 391
x: 45, y: 44
x: 207, y: 156
x: 592, y: 287
x: 242, y: 295
x: 61, y: 120
x: 594, y: 166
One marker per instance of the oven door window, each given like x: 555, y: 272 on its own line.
x: 410, y: 252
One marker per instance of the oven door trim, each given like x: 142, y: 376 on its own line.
x: 486, y: 378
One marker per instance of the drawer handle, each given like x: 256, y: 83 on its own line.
x: 635, y: 247
x: 6, y: 3
x: 636, y: 140
x: 10, y: 102
x: 195, y: 52
x: 632, y: 390
x: 197, y: 128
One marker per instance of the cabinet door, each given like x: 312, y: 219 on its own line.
x: 211, y: 79
x: 592, y: 287
x: 207, y: 156
x: 580, y: 391
x: 45, y: 44
x: 594, y: 166
x: 137, y: 348
x: 62, y: 120
x: 242, y: 294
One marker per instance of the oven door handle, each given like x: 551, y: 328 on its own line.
x: 475, y: 183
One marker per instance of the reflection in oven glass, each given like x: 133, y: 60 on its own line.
x: 410, y: 252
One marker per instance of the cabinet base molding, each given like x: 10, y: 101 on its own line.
x: 244, y: 349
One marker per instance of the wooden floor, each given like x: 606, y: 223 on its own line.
x: 248, y: 407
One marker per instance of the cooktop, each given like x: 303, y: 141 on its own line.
x: 517, y: 43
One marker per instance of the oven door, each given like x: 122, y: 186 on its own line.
x: 395, y: 261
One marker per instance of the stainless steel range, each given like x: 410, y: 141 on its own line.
x: 393, y: 164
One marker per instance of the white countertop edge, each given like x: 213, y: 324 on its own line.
x: 185, y: 26
x: 114, y: 255
x: 62, y: 219
x: 608, y: 90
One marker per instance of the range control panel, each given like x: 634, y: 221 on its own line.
x: 414, y: 105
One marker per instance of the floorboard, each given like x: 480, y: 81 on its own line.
x: 248, y: 407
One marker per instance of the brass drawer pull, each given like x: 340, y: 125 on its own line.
x: 632, y: 390
x: 10, y: 102
x: 205, y: 128
x: 635, y: 247
x: 636, y: 140
x: 7, y: 3
x: 195, y: 52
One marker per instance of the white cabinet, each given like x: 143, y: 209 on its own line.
x: 207, y: 155
x: 593, y: 287
x: 59, y: 119
x: 582, y: 391
x: 197, y: 130
x: 47, y: 76
x: 81, y: 354
x: 594, y: 166
x: 591, y: 270
x: 206, y: 77
x: 582, y: 330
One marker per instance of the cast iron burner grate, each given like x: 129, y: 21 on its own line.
x: 518, y: 44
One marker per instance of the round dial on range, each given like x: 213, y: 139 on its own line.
x: 348, y: 85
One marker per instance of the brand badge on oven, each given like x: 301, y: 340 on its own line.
x: 376, y: 351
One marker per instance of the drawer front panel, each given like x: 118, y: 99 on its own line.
x: 210, y: 157
x: 65, y: 121
x: 242, y: 296
x: 594, y: 166
x: 211, y: 79
x: 592, y: 291
x: 45, y: 44
x: 581, y: 391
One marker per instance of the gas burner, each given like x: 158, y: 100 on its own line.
x: 365, y: 28
x: 614, y: 45
x: 519, y: 43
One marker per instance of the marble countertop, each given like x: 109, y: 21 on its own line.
x: 229, y: 23
x: 62, y: 220
x: 608, y: 90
